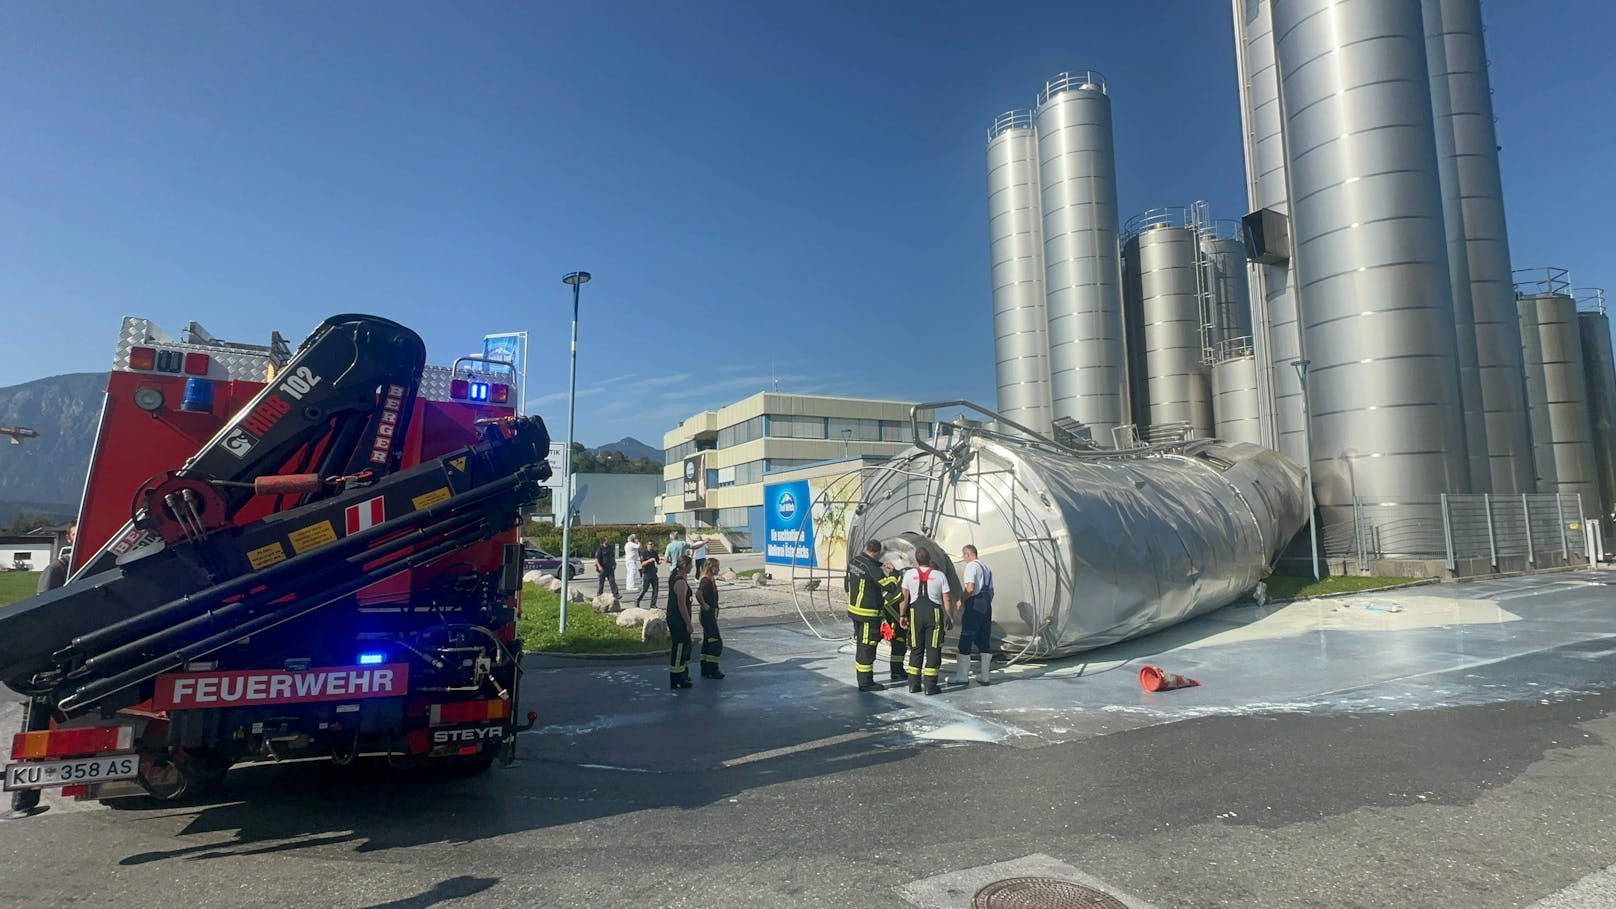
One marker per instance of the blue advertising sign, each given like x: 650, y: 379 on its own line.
x: 503, y: 348
x: 789, y: 524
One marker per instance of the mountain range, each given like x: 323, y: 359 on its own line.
x: 49, y: 470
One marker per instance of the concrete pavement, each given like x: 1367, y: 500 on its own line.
x: 1447, y: 751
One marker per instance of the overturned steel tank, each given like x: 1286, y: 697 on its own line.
x: 1088, y: 546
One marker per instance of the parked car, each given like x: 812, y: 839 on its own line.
x: 539, y: 560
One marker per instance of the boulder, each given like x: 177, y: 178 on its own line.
x: 632, y: 617
x: 606, y: 602
x: 534, y: 577
x: 655, y: 630
x: 554, y: 584
x: 578, y: 596
x: 760, y: 580
x: 728, y: 574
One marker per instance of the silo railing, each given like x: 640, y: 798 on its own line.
x: 1010, y: 119
x: 1076, y: 80
x: 1534, y: 530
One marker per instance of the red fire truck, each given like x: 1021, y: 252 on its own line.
x: 281, y: 554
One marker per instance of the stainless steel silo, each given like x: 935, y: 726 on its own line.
x: 1016, y: 245
x: 1161, y: 250
x: 1371, y: 268
x: 1082, y: 275
x: 1234, y: 394
x: 1464, y: 322
x: 1227, y: 290
x: 1469, y: 115
x: 1557, y: 386
x: 1276, y: 331
x: 1593, y: 326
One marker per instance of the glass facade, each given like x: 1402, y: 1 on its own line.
x: 783, y: 427
x: 742, y: 432
x: 854, y: 430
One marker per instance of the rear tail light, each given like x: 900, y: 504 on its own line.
x: 459, y: 389
x: 468, y: 712
x: 71, y: 742
x: 500, y: 394
x: 142, y: 358
x: 196, y: 364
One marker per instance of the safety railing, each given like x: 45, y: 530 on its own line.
x: 1520, y: 526
x: 1076, y: 80
x: 1542, y: 279
x: 1010, y: 119
x: 1591, y: 299
x: 1230, y: 348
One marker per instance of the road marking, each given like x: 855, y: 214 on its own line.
x: 1597, y: 889
x: 793, y: 749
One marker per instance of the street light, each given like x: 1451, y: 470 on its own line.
x: 846, y: 435
x: 576, y: 280
x: 1307, y: 465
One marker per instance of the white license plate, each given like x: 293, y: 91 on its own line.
x: 44, y: 774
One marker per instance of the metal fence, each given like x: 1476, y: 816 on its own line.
x: 1529, y: 526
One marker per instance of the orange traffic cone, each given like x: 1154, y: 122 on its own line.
x: 1153, y: 679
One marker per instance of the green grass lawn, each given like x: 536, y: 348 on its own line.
x: 749, y: 573
x: 17, y: 585
x: 587, y: 630
x: 1288, y: 586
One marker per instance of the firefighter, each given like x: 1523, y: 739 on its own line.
x: 864, y: 594
x: 926, y: 609
x: 897, y: 640
x: 679, y: 625
x: 712, y: 643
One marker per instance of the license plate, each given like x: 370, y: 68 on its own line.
x: 44, y: 774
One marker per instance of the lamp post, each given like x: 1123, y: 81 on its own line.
x: 576, y: 279
x: 1307, y: 465
x: 847, y: 434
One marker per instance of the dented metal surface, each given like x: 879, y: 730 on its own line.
x: 1091, y: 548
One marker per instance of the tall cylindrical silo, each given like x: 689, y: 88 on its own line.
x: 1276, y: 331
x: 1371, y: 267
x: 1234, y: 395
x: 1557, y: 393
x: 1228, y: 291
x: 1082, y: 275
x: 1163, y: 252
x: 1600, y: 364
x: 1016, y: 245
x: 1464, y: 322
x: 1492, y: 295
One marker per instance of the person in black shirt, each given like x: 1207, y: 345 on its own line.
x: 606, y: 565
x: 712, y: 645
x: 648, y: 572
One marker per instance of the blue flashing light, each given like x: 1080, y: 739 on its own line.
x: 198, y: 396
x: 372, y: 659
x: 478, y: 391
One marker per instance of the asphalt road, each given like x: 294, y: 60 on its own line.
x: 782, y: 787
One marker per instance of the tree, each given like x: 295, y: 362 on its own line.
x: 26, y: 522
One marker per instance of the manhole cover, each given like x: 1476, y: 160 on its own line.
x: 1042, y: 893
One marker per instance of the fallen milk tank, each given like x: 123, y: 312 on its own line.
x: 1088, y: 546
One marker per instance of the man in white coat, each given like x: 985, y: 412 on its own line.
x: 631, y: 558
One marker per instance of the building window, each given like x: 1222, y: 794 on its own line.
x: 856, y: 430
x: 741, y: 433
x: 778, y: 464
x: 894, y: 431
x: 792, y: 427
x: 674, y: 487
x: 736, y: 518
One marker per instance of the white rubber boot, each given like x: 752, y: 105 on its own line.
x: 962, y: 669
x: 984, y: 662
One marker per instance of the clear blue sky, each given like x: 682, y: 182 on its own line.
x: 750, y: 183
